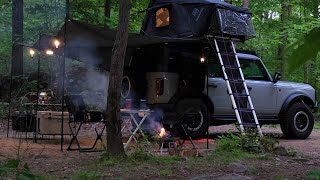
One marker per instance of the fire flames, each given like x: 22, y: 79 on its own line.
x: 162, y: 133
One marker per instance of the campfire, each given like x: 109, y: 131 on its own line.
x: 165, y: 140
x: 162, y: 133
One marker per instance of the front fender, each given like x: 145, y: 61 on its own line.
x: 293, y: 98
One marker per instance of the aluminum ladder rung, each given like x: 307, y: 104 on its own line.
x: 233, y: 68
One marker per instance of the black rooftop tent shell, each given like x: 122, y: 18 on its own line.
x: 197, y: 18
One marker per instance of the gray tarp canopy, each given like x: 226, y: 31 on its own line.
x: 93, y: 44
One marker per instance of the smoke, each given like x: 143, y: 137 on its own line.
x: 153, y: 124
x: 90, y: 83
x: 83, y: 77
x: 96, y: 92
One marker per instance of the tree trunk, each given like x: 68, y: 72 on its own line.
x: 283, y: 38
x: 245, y: 4
x: 17, y: 37
x: 114, y: 137
x: 315, y: 73
x: 315, y: 10
x: 107, y: 8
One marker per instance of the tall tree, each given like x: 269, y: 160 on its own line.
x: 17, y: 37
x: 245, y: 3
x: 283, y: 38
x: 114, y: 138
x: 107, y: 8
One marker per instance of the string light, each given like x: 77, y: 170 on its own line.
x: 49, y: 52
x: 31, y: 52
x: 202, y: 59
x: 56, y: 43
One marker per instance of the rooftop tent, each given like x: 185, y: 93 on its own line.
x: 196, y: 18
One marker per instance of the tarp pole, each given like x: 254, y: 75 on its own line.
x: 63, y: 67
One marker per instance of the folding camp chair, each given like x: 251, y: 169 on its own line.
x: 79, y: 115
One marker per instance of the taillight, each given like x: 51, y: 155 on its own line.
x: 159, y: 86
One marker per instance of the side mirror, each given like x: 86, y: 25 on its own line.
x: 276, y: 77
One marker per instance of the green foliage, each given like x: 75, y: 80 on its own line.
x: 316, y: 124
x: 304, y: 49
x: 314, y: 174
x: 88, y: 174
x: 249, y: 142
x: 4, y: 110
x: 233, y: 147
x: 12, y: 168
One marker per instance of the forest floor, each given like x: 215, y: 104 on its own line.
x: 46, y: 158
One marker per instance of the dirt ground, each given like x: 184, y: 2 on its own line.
x: 46, y: 158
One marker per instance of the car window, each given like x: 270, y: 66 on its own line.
x: 253, y: 70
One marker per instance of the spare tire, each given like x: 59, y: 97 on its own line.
x: 125, y: 87
x: 129, y: 90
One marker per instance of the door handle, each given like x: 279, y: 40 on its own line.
x: 212, y: 85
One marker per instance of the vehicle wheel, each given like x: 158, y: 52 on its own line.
x: 193, y: 114
x: 297, y: 122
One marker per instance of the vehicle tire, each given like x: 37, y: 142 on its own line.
x: 297, y: 122
x: 193, y: 116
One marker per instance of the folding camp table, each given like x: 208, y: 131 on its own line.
x: 137, y: 124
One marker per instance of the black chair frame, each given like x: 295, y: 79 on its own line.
x: 79, y: 114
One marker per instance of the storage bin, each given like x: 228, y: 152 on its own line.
x: 49, y: 123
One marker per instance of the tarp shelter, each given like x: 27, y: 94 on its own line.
x: 196, y: 18
x: 93, y: 44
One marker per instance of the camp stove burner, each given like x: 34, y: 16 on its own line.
x: 168, y: 143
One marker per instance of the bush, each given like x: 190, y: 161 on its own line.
x: 4, y: 110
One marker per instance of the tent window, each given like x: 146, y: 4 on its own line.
x: 162, y: 17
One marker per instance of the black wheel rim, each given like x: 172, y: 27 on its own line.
x: 301, y: 121
x: 193, y: 119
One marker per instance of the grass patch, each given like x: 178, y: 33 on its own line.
x: 271, y: 125
x: 230, y: 148
x: 235, y: 147
x: 165, y: 172
x: 137, y: 161
x: 314, y: 174
x: 88, y: 175
x: 316, y: 124
x: 227, y: 157
x: 92, y: 171
x: 278, y: 177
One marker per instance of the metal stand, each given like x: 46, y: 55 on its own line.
x: 63, y: 67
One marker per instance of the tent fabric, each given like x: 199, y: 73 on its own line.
x: 198, y: 18
x: 215, y: 3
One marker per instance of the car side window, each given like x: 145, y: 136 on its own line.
x: 253, y: 70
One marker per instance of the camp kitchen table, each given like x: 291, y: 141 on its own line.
x: 142, y: 113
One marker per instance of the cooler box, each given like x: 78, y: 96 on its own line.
x: 49, y: 123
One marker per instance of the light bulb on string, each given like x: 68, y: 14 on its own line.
x: 56, y: 43
x: 31, y: 52
x: 49, y: 52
